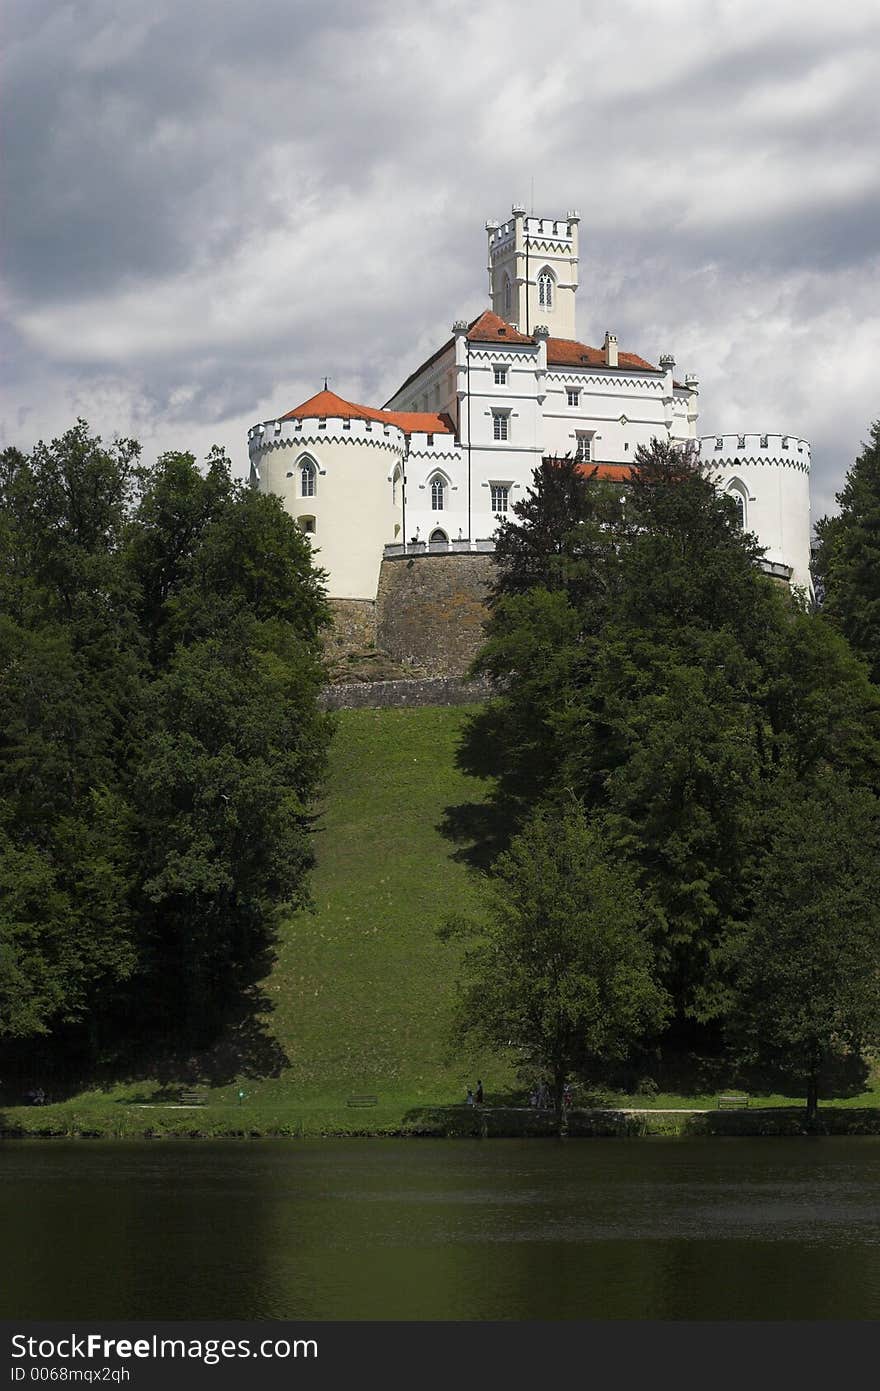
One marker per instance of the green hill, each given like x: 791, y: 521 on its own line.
x: 362, y: 988
x: 360, y: 994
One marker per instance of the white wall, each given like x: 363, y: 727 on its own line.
x: 774, y: 471
x: 354, y: 513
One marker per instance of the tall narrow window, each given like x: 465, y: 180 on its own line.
x: 584, y: 451
x: 507, y: 294
x: 737, y: 493
x: 307, y: 478
x: 438, y: 491
x: 500, y: 493
x: 500, y: 425
x: 545, y: 290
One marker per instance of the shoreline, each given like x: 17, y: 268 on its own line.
x: 444, y: 1123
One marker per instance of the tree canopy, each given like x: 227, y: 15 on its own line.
x: 560, y: 969
x: 160, y: 737
x: 805, y: 967
x: 848, y: 559
x: 645, y: 663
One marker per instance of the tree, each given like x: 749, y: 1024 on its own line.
x: 848, y: 560
x: 667, y: 693
x: 160, y: 735
x: 804, y: 969
x: 561, y: 970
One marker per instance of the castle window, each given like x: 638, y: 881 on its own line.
x: 719, y: 442
x: 430, y: 439
x: 500, y: 376
x: 501, y: 425
x: 740, y: 441
x: 584, y: 450
x: 438, y: 491
x: 736, y: 492
x: 507, y: 297
x: 306, y: 524
x: 573, y: 395
x: 763, y: 441
x: 500, y: 493
x: 545, y: 289
x: 307, y: 476
x: 322, y: 425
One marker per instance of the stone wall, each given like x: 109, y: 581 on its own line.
x: 386, y: 695
x: 354, y: 626
x: 430, y: 610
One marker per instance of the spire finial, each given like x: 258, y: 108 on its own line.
x: 325, y: 383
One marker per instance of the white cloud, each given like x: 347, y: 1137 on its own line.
x: 210, y: 207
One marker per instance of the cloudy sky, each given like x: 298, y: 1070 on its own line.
x: 207, y: 206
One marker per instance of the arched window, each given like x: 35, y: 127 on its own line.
x: 307, y: 476
x: 737, y: 493
x: 438, y: 538
x: 438, y: 492
x: 507, y: 294
x: 545, y: 289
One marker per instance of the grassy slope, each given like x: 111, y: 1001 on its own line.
x: 362, y: 987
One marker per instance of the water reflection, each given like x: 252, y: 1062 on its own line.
x: 669, y: 1229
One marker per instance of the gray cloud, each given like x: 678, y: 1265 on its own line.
x: 207, y: 207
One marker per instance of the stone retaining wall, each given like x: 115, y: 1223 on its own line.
x: 386, y: 695
x: 430, y: 610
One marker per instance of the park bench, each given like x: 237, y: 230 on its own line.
x: 731, y: 1101
x: 362, y: 1101
x: 190, y: 1097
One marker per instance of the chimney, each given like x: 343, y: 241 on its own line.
x: 610, y: 349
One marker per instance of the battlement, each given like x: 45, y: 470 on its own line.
x: 553, y: 231
x: 277, y: 434
x: 755, y: 448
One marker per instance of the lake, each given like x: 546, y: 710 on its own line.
x: 448, y: 1229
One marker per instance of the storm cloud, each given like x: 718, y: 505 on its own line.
x: 208, y: 207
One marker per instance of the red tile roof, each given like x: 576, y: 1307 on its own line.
x: 565, y: 352
x: 612, y: 473
x: 326, y: 405
x: 489, y: 327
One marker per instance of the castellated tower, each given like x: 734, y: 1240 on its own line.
x: 533, y: 271
x: 768, y: 477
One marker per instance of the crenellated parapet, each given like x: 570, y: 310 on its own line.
x: 768, y: 478
x: 284, y: 434
x: 770, y: 451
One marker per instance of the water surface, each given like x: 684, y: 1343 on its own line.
x: 450, y: 1229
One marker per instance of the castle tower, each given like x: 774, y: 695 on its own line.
x: 533, y: 271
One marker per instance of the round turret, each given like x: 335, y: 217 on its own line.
x: 768, y: 477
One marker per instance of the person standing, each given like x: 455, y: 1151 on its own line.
x: 469, y: 1099
x: 479, y: 1096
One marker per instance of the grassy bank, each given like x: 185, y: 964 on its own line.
x: 103, y: 1121
x: 360, y: 996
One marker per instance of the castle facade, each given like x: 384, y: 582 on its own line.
x: 434, y: 470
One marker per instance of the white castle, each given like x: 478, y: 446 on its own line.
x: 437, y: 467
